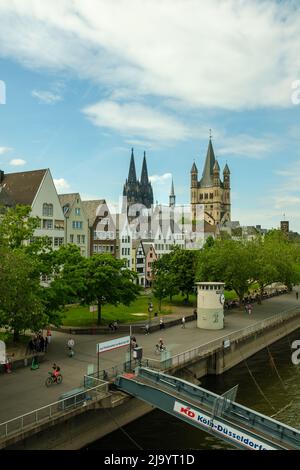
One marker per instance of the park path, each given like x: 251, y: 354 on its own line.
x: 24, y: 390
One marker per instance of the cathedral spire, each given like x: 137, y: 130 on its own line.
x: 132, y: 172
x: 144, y: 175
x: 172, y: 197
x: 208, y: 171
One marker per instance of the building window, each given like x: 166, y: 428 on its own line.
x: 78, y: 239
x: 48, y: 210
x: 47, y: 224
x: 151, y: 255
x: 206, y: 196
x: 58, y: 241
x: 77, y: 210
x: 211, y: 195
x: 77, y: 225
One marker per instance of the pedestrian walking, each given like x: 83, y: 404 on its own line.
x: 147, y: 329
x: 183, y: 322
x: 297, y: 295
x: 49, y: 335
x: 161, y: 324
x: 30, y: 347
x: 249, y: 309
x: 115, y: 325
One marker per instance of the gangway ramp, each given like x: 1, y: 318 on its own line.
x: 216, y: 414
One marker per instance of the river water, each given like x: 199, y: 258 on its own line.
x: 268, y: 382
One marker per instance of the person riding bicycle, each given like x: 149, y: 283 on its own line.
x: 161, y: 345
x: 56, y: 371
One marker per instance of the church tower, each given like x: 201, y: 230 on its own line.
x: 131, y: 186
x: 146, y: 191
x: 211, y: 192
x: 138, y: 192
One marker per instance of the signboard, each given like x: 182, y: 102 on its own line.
x: 93, y: 308
x: 113, y: 344
x: 219, y: 427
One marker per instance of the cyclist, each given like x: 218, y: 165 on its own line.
x: 56, y: 371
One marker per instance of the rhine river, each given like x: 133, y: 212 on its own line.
x: 281, y: 396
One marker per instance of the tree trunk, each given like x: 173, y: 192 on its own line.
x: 16, y: 335
x: 99, y: 313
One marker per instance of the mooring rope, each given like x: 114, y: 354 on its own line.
x: 257, y: 385
x: 123, y: 430
x: 282, y: 409
x: 274, y: 365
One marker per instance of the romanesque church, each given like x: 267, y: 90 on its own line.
x: 211, y: 192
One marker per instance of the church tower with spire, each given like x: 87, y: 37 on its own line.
x: 211, y: 191
x: 138, y: 192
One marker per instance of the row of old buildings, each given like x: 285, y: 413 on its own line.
x: 139, y: 239
x: 139, y: 231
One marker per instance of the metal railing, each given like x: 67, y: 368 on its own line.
x: 201, y: 351
x: 93, y: 389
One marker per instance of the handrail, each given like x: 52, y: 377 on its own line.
x: 231, y: 336
x: 58, y: 410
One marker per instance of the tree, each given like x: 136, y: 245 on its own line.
x: 184, y: 269
x: 105, y: 280
x: 21, y: 305
x: 164, y: 284
x: 227, y: 261
x: 17, y: 226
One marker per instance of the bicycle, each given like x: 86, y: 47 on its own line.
x: 53, y: 379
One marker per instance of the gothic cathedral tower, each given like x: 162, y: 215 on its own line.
x: 211, y: 192
x: 138, y: 192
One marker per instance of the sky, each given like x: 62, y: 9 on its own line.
x: 84, y: 81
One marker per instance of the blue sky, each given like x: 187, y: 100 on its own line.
x: 86, y: 80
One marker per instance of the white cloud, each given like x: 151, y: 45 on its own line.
x: 160, y: 179
x: 4, y: 150
x: 61, y: 185
x: 46, y: 97
x: 246, y: 146
x: 211, y: 53
x: 136, y: 120
x: 17, y: 162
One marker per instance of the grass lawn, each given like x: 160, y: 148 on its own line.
x: 137, y: 311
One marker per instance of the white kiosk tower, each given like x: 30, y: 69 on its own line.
x: 210, y: 305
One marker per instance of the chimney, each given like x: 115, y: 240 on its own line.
x: 1, y: 176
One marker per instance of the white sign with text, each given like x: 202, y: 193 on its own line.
x: 113, y: 344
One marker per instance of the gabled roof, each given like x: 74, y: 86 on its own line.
x: 22, y: 187
x: 5, y: 199
x: 92, y: 209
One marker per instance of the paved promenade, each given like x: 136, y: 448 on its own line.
x: 24, y: 390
